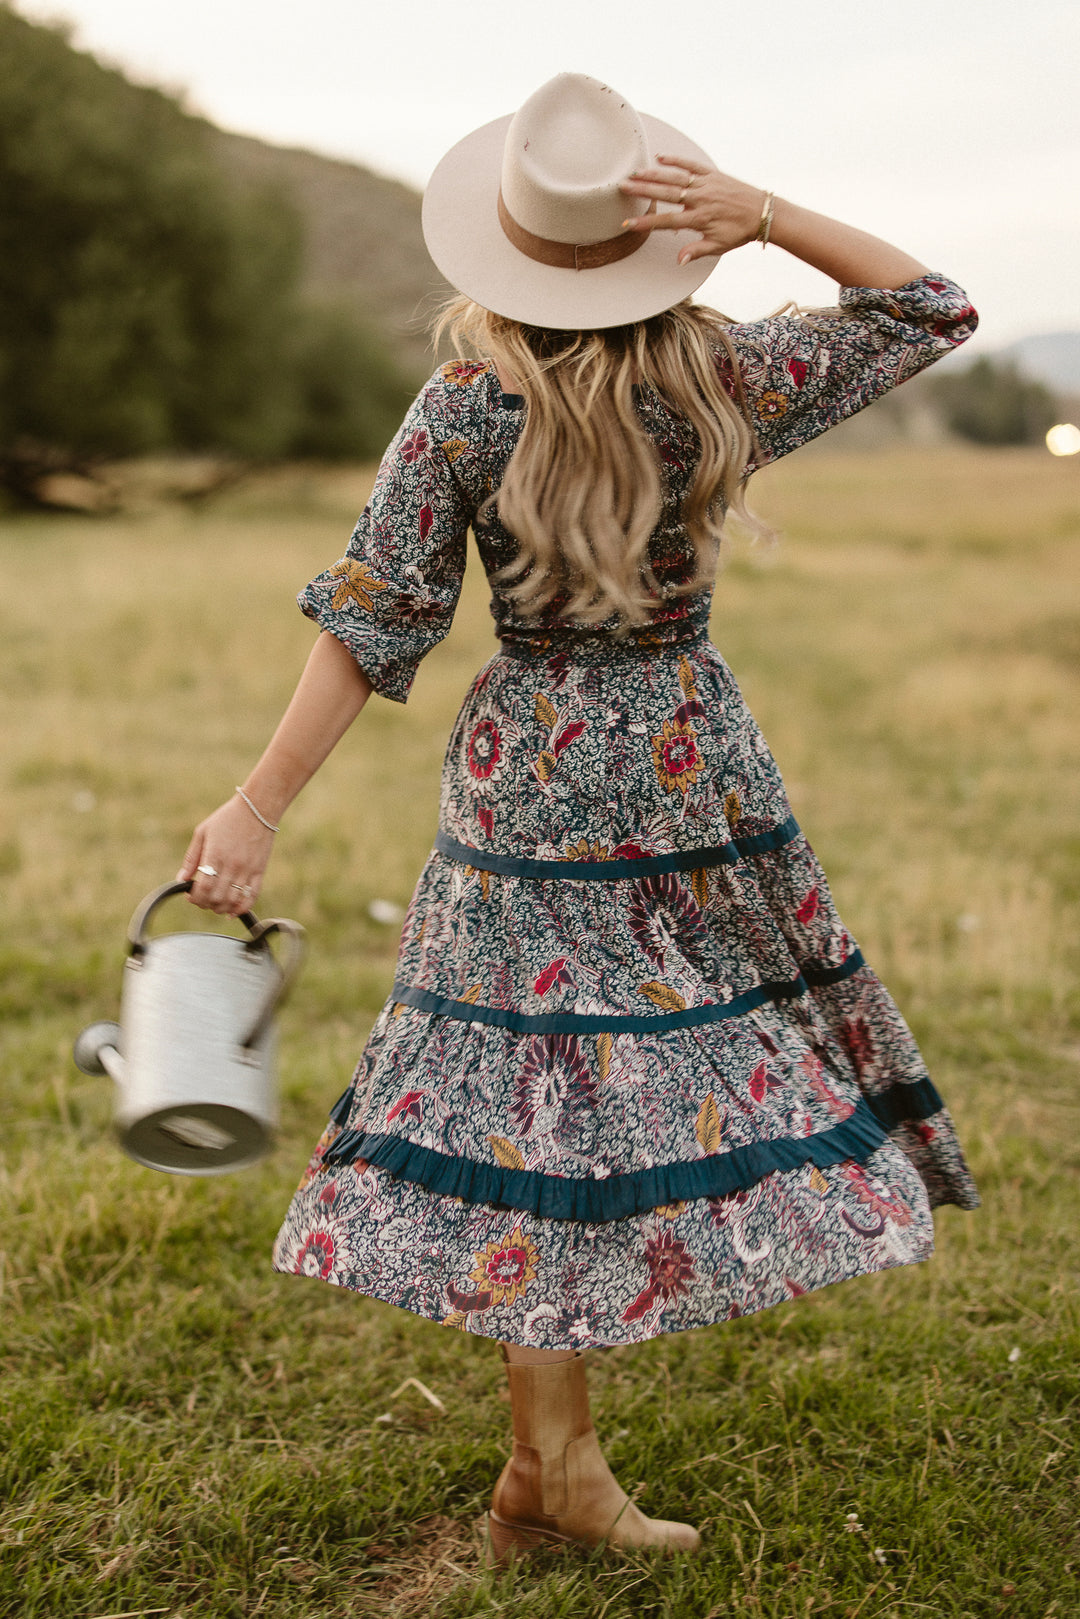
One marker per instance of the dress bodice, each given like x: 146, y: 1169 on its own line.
x: 391, y: 598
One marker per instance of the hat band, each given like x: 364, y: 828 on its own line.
x: 566, y: 255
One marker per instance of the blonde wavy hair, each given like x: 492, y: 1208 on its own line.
x: 582, y: 491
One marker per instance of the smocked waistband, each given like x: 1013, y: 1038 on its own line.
x: 604, y: 648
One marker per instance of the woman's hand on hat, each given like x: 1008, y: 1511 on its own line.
x: 726, y: 211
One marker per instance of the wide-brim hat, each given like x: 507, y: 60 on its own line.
x: 525, y: 215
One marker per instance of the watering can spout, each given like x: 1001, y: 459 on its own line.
x: 97, y: 1051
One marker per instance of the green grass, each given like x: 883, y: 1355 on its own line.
x: 186, y: 1432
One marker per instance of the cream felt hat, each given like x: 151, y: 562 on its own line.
x: 525, y: 214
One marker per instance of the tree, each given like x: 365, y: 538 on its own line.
x: 146, y: 303
x: 992, y: 402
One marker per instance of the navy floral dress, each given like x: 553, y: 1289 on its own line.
x: 634, y: 1075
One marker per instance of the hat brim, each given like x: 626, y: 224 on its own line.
x: 461, y: 227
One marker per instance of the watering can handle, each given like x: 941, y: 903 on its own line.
x: 260, y: 931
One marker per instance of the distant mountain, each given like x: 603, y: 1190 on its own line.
x: 363, y: 243
x: 1049, y: 357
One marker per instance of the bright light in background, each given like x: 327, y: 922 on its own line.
x: 1064, y: 439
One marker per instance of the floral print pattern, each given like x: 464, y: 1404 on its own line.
x: 634, y: 1075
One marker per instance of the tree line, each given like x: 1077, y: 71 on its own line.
x: 993, y: 402
x: 148, y: 303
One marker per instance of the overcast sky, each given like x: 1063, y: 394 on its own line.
x: 950, y: 128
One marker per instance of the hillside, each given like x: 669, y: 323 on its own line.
x: 363, y: 241
x: 1049, y: 357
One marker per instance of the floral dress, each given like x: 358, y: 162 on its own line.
x: 634, y: 1075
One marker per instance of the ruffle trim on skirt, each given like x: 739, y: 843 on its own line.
x: 559, y: 1197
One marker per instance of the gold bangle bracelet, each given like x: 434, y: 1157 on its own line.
x: 765, y: 222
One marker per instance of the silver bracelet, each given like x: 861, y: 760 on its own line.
x: 268, y: 825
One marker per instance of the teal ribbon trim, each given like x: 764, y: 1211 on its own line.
x: 596, y: 1023
x: 613, y: 871
x: 424, y: 1000
x: 558, y: 1197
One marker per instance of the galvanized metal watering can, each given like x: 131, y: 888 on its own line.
x: 193, y: 1055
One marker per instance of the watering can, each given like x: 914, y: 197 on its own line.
x: 193, y: 1055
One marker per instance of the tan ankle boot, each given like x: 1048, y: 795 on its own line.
x: 557, y: 1487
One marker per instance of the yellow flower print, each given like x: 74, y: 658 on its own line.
x: 771, y: 404
x: 464, y: 373
x: 358, y: 584
x: 505, y: 1268
x: 453, y: 447
x: 584, y: 850
x: 676, y: 759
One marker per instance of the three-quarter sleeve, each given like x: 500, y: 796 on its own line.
x: 392, y: 596
x: 802, y: 374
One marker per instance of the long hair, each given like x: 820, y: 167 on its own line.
x: 582, y: 491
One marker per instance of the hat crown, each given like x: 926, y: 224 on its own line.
x: 567, y: 150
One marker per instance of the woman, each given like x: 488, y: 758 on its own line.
x: 634, y: 1076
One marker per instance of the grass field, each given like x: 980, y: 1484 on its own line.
x: 187, y: 1433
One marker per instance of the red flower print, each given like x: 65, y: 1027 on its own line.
x: 629, y: 851
x: 675, y: 757
x: 505, y: 1269
x: 506, y: 1266
x: 797, y: 370
x: 671, y: 1270
x: 670, y: 1265
x: 414, y: 446
x: 486, y: 818
x: 409, y: 1106
x: 925, y: 1133
x: 427, y: 517
x: 759, y: 1082
x: 419, y: 610
x: 555, y: 1089
x: 935, y: 286
x: 663, y: 915
x: 485, y: 749
x: 810, y: 906
x: 316, y: 1257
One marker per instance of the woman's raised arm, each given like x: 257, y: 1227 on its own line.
x: 329, y: 695
x: 728, y: 212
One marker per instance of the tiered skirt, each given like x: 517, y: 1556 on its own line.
x: 634, y: 1075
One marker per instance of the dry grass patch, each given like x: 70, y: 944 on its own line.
x: 185, y: 1430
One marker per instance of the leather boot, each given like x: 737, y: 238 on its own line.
x: 557, y: 1488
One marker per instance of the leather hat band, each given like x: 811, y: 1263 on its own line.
x: 566, y: 255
